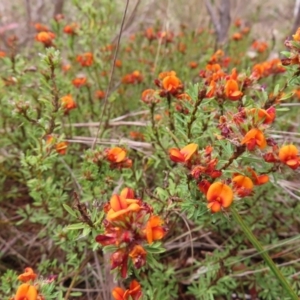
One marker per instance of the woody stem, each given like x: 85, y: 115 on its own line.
x: 154, y: 128
x: 193, y: 117
x: 171, y: 117
x: 247, y: 231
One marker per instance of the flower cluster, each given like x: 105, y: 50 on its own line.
x: 129, y: 225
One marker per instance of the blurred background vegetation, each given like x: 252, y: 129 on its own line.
x: 268, y: 19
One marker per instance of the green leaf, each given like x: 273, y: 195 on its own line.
x: 69, y: 210
x: 75, y: 226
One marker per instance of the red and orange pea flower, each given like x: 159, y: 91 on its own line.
x: 203, y: 186
x: 259, y: 46
x: 133, y: 78
x: 171, y: 84
x: 232, y: 91
x: 266, y: 116
x: 60, y: 147
x: 85, y: 59
x: 133, y: 293
x: 219, y: 196
x: 66, y: 67
x: 138, y: 255
x: 164, y: 74
x: 99, y: 94
x: 237, y: 36
x: 149, y: 96
x: 253, y: 138
x: 45, y: 37
x: 243, y: 185
x: 71, y: 29
x: 211, y: 89
x: 289, y: 155
x: 41, y: 27
x: 258, y: 179
x: 150, y: 34
x: 118, y: 63
x: 26, y: 292
x: 154, y: 230
x: 183, y: 155
x: 79, y: 82
x: 219, y: 54
x: 120, y: 207
x: 184, y: 96
x: 2, y: 54
x: 68, y: 103
x: 27, y: 275
x: 137, y: 136
x: 116, y: 155
x: 193, y: 64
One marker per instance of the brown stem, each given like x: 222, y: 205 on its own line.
x: 193, y: 117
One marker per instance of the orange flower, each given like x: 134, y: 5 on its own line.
x: 203, y: 186
x: 86, y: 59
x: 150, y: 34
x: 116, y: 155
x: 66, y: 67
x: 118, y: 63
x: 183, y: 155
x: 171, y: 84
x: 237, y: 22
x: 2, y: 54
x: 134, y: 292
x: 267, y: 116
x: 289, y: 155
x: 212, y: 89
x: 26, y: 292
x: 245, y: 30
x: 128, y: 193
x: 296, y: 36
x: 213, y: 68
x: 253, y: 138
x: 40, y: 27
x: 27, y: 275
x: 79, y: 81
x: 100, y: 94
x: 193, y: 64
x: 45, y: 37
x: 137, y: 136
x: 237, y: 36
x: 232, y: 90
x: 68, y: 103
x: 219, y: 195
x: 184, y: 96
x: 138, y: 255
x: 258, y: 179
x: 133, y: 78
x: 162, y: 75
x: 243, y: 185
x: 71, y: 29
x: 61, y: 148
x: 119, y: 206
x: 259, y: 46
x: 148, y: 96
x: 182, y: 47
x: 154, y: 231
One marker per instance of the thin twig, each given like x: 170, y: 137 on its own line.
x: 111, y: 76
